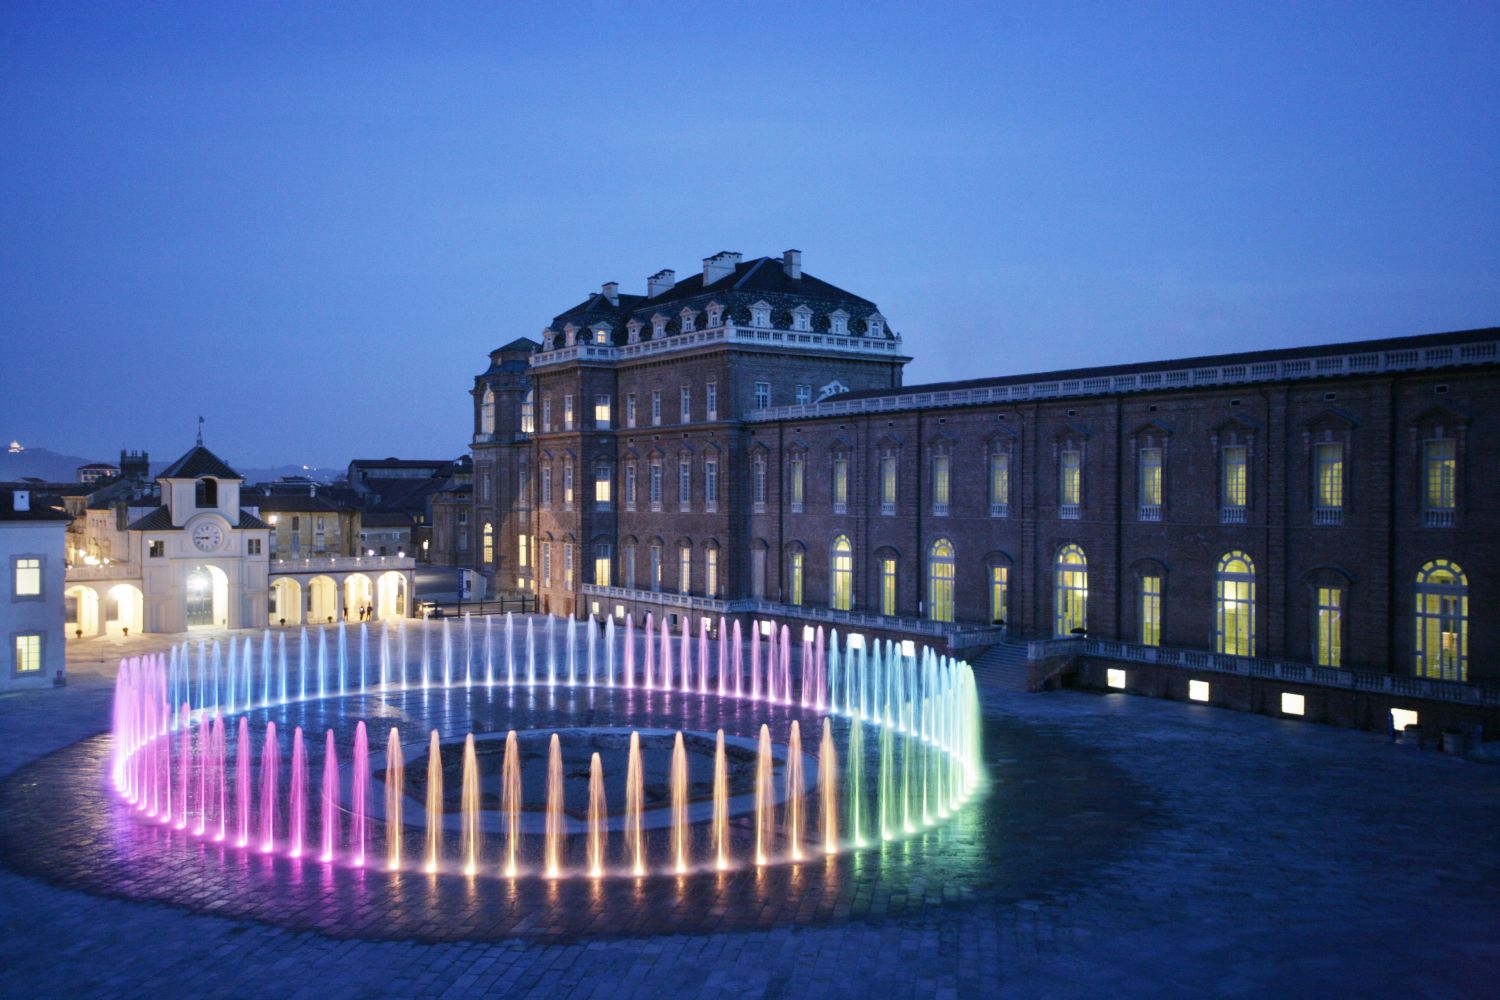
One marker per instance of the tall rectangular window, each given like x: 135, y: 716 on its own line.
x: 1148, y: 484
x: 684, y: 569
x: 655, y: 485
x: 627, y: 569
x: 888, y: 586
x: 546, y: 563
x: 888, y: 483
x: 602, y: 562
x: 601, y: 412
x: 999, y: 484
x: 758, y: 484
x: 546, y: 486
x: 1331, y: 626
x: 840, y: 484
x: 27, y: 575
x: 523, y: 487
x: 546, y: 414
x: 711, y: 400
x: 567, y: 565
x: 630, y: 486
x: 630, y: 409
x: 685, y: 408
x: 1150, y: 610
x: 804, y: 395
x: 1234, y: 484
x: 603, y: 480
x: 999, y: 594
x: 711, y: 484
x: 655, y: 566
x: 29, y: 654
x: 762, y: 395
x: 522, y: 544
x: 568, y: 485
x: 796, y: 479
x: 1440, y: 474
x: 528, y: 413
x: 655, y: 407
x: 711, y: 572
x: 568, y: 412
x: 941, y: 466
x: 1070, y: 483
x: 1328, y: 482
x: 795, y: 564
x: 685, y: 484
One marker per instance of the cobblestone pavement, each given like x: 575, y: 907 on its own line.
x: 1126, y: 847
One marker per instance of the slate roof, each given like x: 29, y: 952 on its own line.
x: 199, y: 462
x: 761, y: 279
x: 41, y: 509
x: 160, y: 519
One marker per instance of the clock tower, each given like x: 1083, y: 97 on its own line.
x: 204, y: 560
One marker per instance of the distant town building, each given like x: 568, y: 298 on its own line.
x: 95, y: 471
x: 33, y: 557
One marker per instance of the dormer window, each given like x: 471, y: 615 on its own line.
x: 689, y: 320
x: 658, y: 326
x: 760, y: 315
x: 601, y: 334
x: 570, y: 335
x: 715, y: 314
x: 802, y: 318
x: 633, y: 331
x: 875, y: 325
x: 838, y: 323
x: 549, y: 339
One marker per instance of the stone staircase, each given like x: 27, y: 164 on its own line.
x: 1002, y: 666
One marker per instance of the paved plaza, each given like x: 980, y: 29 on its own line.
x: 1124, y: 847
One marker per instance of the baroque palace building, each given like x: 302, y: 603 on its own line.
x: 740, y: 442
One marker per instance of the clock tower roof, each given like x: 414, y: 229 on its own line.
x: 198, y: 462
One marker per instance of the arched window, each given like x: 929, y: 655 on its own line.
x: 1234, y: 614
x: 1442, y: 621
x: 940, y: 581
x: 1071, y: 601
x: 489, y: 542
x: 841, y: 577
x: 528, y: 413
x: 206, y: 493
x: 999, y: 581
x: 487, y: 411
x: 796, y: 562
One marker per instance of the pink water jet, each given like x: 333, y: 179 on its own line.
x: 358, y: 788
x: 331, y: 795
x: 242, y: 767
x: 298, y: 793
x: 270, y: 765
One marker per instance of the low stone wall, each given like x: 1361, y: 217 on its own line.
x: 1370, y: 710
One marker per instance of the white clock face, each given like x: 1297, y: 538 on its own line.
x: 208, y: 536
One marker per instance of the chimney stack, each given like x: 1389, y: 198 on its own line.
x: 612, y: 292
x: 719, y: 265
x: 661, y: 281
x: 791, y: 263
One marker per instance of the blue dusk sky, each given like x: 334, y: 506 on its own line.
x: 309, y: 222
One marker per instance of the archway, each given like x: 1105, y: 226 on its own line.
x: 207, y: 598
x: 82, y: 610
x: 391, y: 596
x: 359, y: 593
x: 322, y: 600
x: 124, y: 608
x: 286, y: 601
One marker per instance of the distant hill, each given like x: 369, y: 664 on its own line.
x: 39, y: 463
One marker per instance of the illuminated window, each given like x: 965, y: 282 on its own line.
x: 1328, y: 474
x: 567, y: 565
x: 568, y: 412
x: 999, y: 594
x: 888, y: 482
x: 29, y: 654
x: 1234, y: 618
x: 758, y: 483
x: 488, y: 546
x: 1150, y: 610
x: 630, y: 486
x: 1148, y: 485
x: 841, y: 593
x: 941, y: 487
x: 1331, y: 626
x: 601, y: 411
x: 1071, y: 591
x: 840, y: 484
x: 795, y: 563
x: 1198, y: 690
x: 601, y: 336
x: 522, y: 544
x: 711, y: 484
x: 1234, y: 483
x: 1069, y: 483
x: 940, y: 581
x: 27, y: 577
x: 1293, y: 704
x: 603, y: 481
x: 654, y: 488
x: 711, y: 399
x: 711, y: 571
x: 1442, y: 621
x: 487, y: 411
x: 602, y: 563
x: 1440, y: 474
x: 568, y: 484
x: 796, y: 481
x: 999, y: 484
x: 888, y: 586
x: 1115, y: 677
x: 684, y: 568
x: 528, y: 413
x: 762, y: 395
x: 684, y: 484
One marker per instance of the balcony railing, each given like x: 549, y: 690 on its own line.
x: 726, y: 334
x: 887, y: 507
x: 1068, y: 511
x: 1438, y: 517
x: 342, y: 564
x: 1232, y: 515
x: 1148, y: 512
x: 999, y: 510
x: 1328, y: 515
